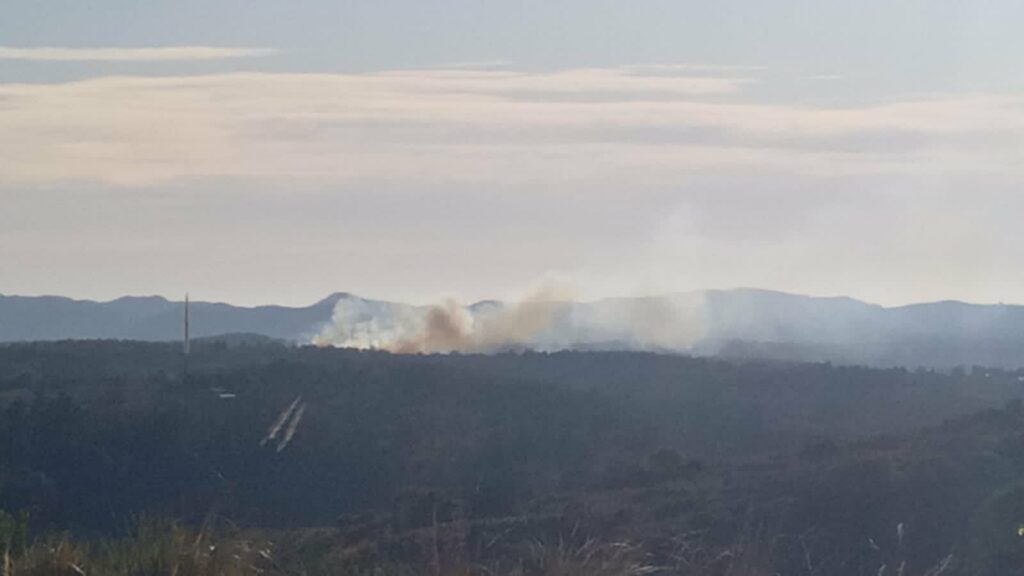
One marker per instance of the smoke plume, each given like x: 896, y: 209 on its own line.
x: 446, y: 326
x: 547, y: 319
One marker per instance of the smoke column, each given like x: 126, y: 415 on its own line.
x: 547, y: 319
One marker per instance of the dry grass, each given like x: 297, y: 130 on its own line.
x: 155, y: 548
x: 164, y: 548
x: 592, y: 558
x: 57, y: 556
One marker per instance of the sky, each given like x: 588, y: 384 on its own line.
x: 261, y: 151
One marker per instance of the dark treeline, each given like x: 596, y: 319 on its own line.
x: 805, y: 468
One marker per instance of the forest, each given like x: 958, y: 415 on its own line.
x: 254, y: 457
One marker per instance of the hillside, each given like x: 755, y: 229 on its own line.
x: 152, y: 319
x: 343, y: 459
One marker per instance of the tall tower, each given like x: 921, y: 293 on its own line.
x: 187, y: 342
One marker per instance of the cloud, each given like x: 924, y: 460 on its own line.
x: 691, y: 68
x: 150, y: 54
x: 638, y: 125
x: 473, y: 65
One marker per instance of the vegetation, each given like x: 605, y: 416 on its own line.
x: 279, y: 460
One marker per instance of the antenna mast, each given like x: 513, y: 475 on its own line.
x: 186, y: 344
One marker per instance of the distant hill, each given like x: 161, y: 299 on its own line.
x: 764, y: 324
x: 153, y: 318
x: 742, y: 323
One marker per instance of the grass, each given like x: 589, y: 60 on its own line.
x: 157, y: 547
x: 153, y: 548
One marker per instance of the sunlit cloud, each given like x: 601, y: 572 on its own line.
x: 147, y: 54
x: 482, y: 125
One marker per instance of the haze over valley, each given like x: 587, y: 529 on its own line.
x: 742, y: 323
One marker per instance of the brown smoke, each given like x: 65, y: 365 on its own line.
x: 518, y: 323
x: 449, y: 327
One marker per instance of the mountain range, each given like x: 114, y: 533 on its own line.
x: 741, y: 323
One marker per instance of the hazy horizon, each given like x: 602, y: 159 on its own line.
x: 512, y: 298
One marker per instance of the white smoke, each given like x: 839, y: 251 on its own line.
x: 547, y: 319
x: 366, y: 325
x: 443, y: 327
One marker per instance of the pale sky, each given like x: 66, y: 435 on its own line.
x: 261, y: 151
